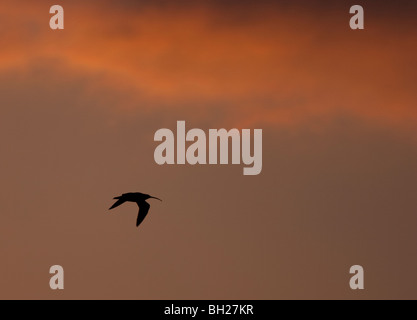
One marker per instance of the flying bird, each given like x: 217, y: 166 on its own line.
x: 139, y: 199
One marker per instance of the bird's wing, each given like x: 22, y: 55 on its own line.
x: 143, y: 211
x: 117, y: 203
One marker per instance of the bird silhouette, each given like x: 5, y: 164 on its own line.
x: 139, y: 199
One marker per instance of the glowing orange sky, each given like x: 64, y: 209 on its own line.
x: 276, y: 67
x: 79, y: 109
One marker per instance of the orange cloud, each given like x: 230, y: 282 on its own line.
x: 269, y: 66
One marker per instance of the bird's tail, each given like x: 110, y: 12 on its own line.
x: 117, y: 197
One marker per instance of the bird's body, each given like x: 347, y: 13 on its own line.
x: 139, y: 199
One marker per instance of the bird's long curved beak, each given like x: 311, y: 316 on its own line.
x: 156, y: 198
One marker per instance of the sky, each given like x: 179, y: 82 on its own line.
x: 79, y: 108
